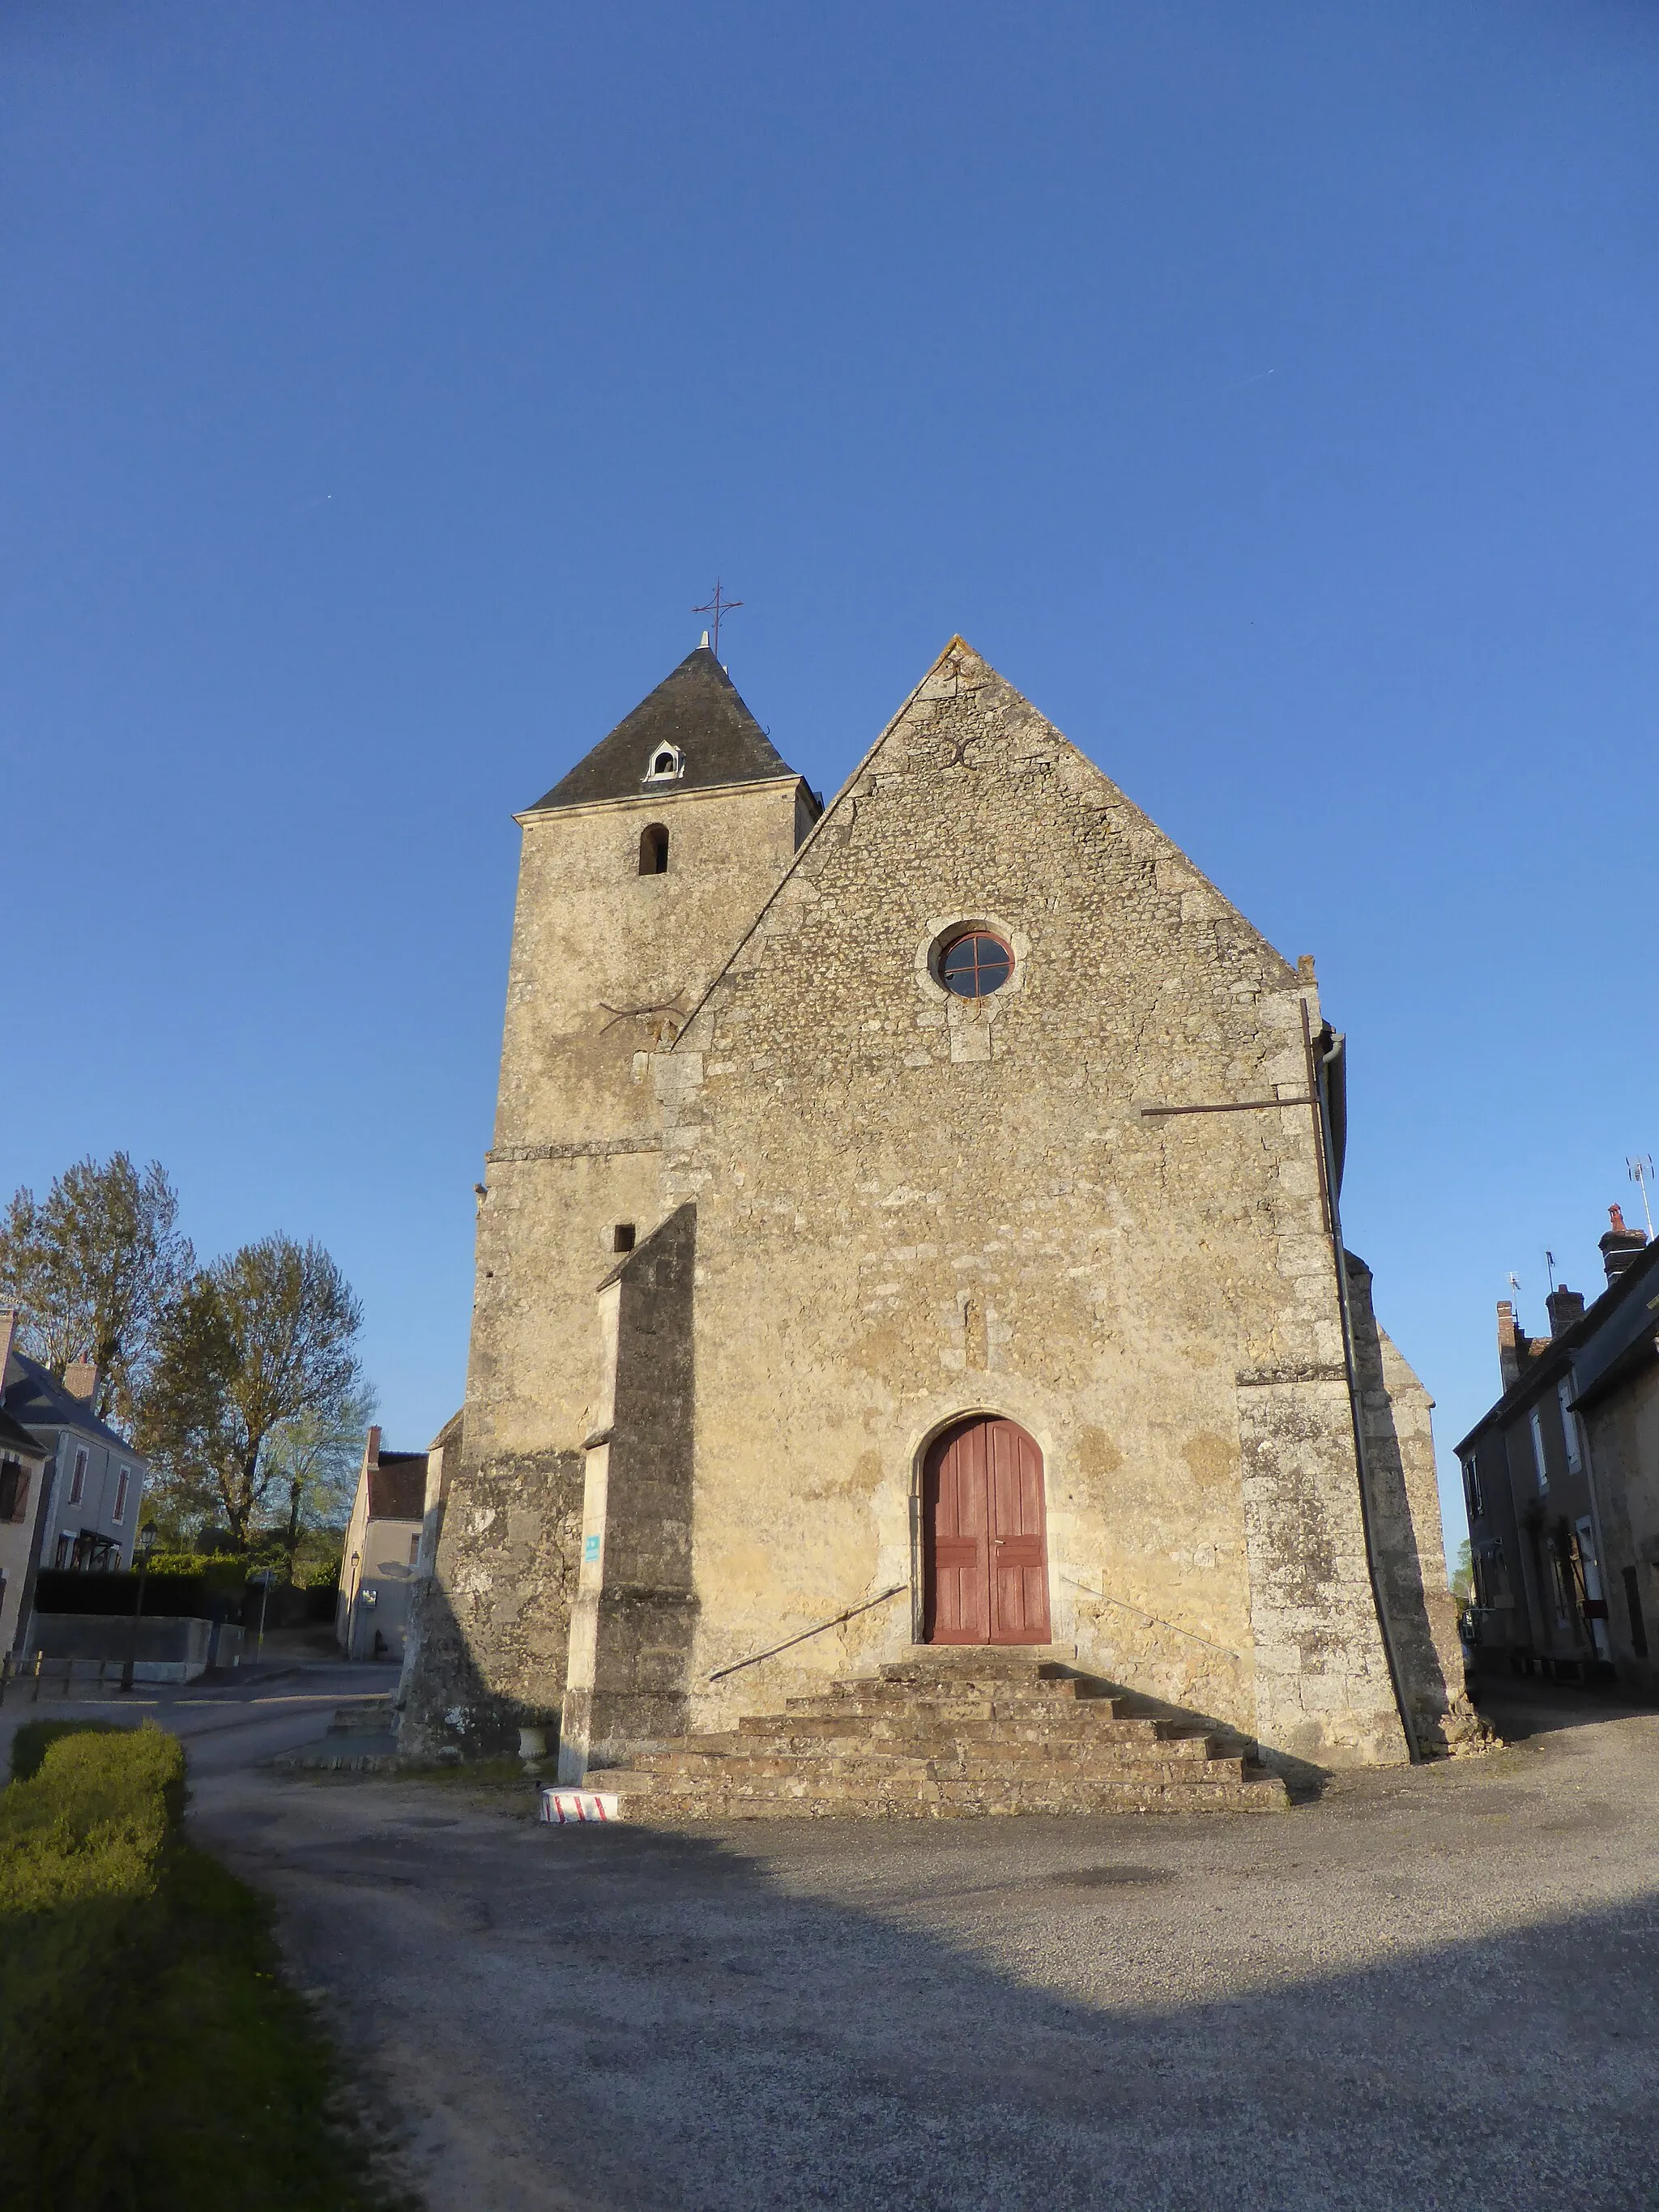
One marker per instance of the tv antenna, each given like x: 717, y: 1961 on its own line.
x: 1549, y: 1261
x: 1641, y: 1174
x: 718, y: 607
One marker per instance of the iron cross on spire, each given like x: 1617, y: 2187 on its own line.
x: 719, y: 606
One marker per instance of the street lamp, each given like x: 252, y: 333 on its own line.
x: 144, y: 1547
x: 265, y: 1578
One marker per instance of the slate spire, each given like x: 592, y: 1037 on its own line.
x: 697, y: 713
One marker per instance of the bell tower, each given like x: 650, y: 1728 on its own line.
x: 640, y: 871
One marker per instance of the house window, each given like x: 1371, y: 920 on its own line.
x: 974, y: 964
x: 1537, y: 1422
x: 121, y: 1484
x: 65, y: 1549
x: 653, y: 850
x: 78, y: 1479
x: 14, y: 1490
x: 667, y: 764
x: 1568, y: 1427
x: 621, y: 1237
x: 1491, y: 1574
x: 1475, y: 1503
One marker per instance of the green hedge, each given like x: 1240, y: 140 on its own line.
x: 35, y: 1738
x: 226, y: 1570
x: 151, y: 2057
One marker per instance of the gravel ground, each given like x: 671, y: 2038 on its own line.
x: 1433, y: 1987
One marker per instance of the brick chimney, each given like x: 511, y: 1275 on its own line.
x: 1511, y: 1344
x: 81, y: 1380
x: 1619, y: 1245
x: 1565, y: 1307
x: 371, y: 1450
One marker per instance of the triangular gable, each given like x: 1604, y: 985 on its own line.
x: 925, y: 719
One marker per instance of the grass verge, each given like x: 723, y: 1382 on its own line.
x: 151, y: 2055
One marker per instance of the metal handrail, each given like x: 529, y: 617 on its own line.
x: 850, y: 1614
x: 1225, y: 1650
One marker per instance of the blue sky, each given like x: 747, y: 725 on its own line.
x: 1268, y: 391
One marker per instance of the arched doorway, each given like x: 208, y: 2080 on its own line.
x: 985, y: 1551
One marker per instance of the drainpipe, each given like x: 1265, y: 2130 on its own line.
x: 1321, y: 1066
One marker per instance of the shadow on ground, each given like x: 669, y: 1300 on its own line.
x: 1435, y: 1988
x: 1520, y: 1708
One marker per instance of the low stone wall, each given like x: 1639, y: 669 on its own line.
x: 162, y: 1648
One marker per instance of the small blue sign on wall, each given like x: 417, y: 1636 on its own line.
x: 590, y: 1550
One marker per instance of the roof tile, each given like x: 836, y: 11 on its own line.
x: 698, y: 711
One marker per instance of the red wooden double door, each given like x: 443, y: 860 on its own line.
x: 984, y: 1542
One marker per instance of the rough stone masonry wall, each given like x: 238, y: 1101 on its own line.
x: 911, y: 1208
x: 1404, y: 1494
x: 605, y: 964
x: 1623, y: 1436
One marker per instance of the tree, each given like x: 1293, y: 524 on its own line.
x: 93, y: 1269
x: 312, y: 1468
x: 1462, y: 1581
x: 263, y: 1337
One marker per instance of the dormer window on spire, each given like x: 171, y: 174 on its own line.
x: 667, y: 765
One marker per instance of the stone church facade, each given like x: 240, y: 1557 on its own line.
x: 916, y: 1221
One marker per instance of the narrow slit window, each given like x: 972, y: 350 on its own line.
x: 653, y: 850
x: 621, y: 1237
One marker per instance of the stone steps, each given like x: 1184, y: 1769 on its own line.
x: 652, y: 1801
x: 951, y: 1734
x: 784, y: 1741
x: 360, y: 1741
x: 370, y: 1715
x: 674, y: 1769
x: 1051, y: 1711
x: 954, y: 1758
x: 927, y: 1728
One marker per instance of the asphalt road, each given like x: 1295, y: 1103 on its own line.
x: 227, y: 1725
x: 1433, y: 1988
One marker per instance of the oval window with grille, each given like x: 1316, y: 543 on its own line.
x: 974, y: 964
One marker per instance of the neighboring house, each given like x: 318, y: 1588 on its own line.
x: 22, y: 1472
x: 1561, y: 1481
x: 92, y: 1482
x: 382, y: 1551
